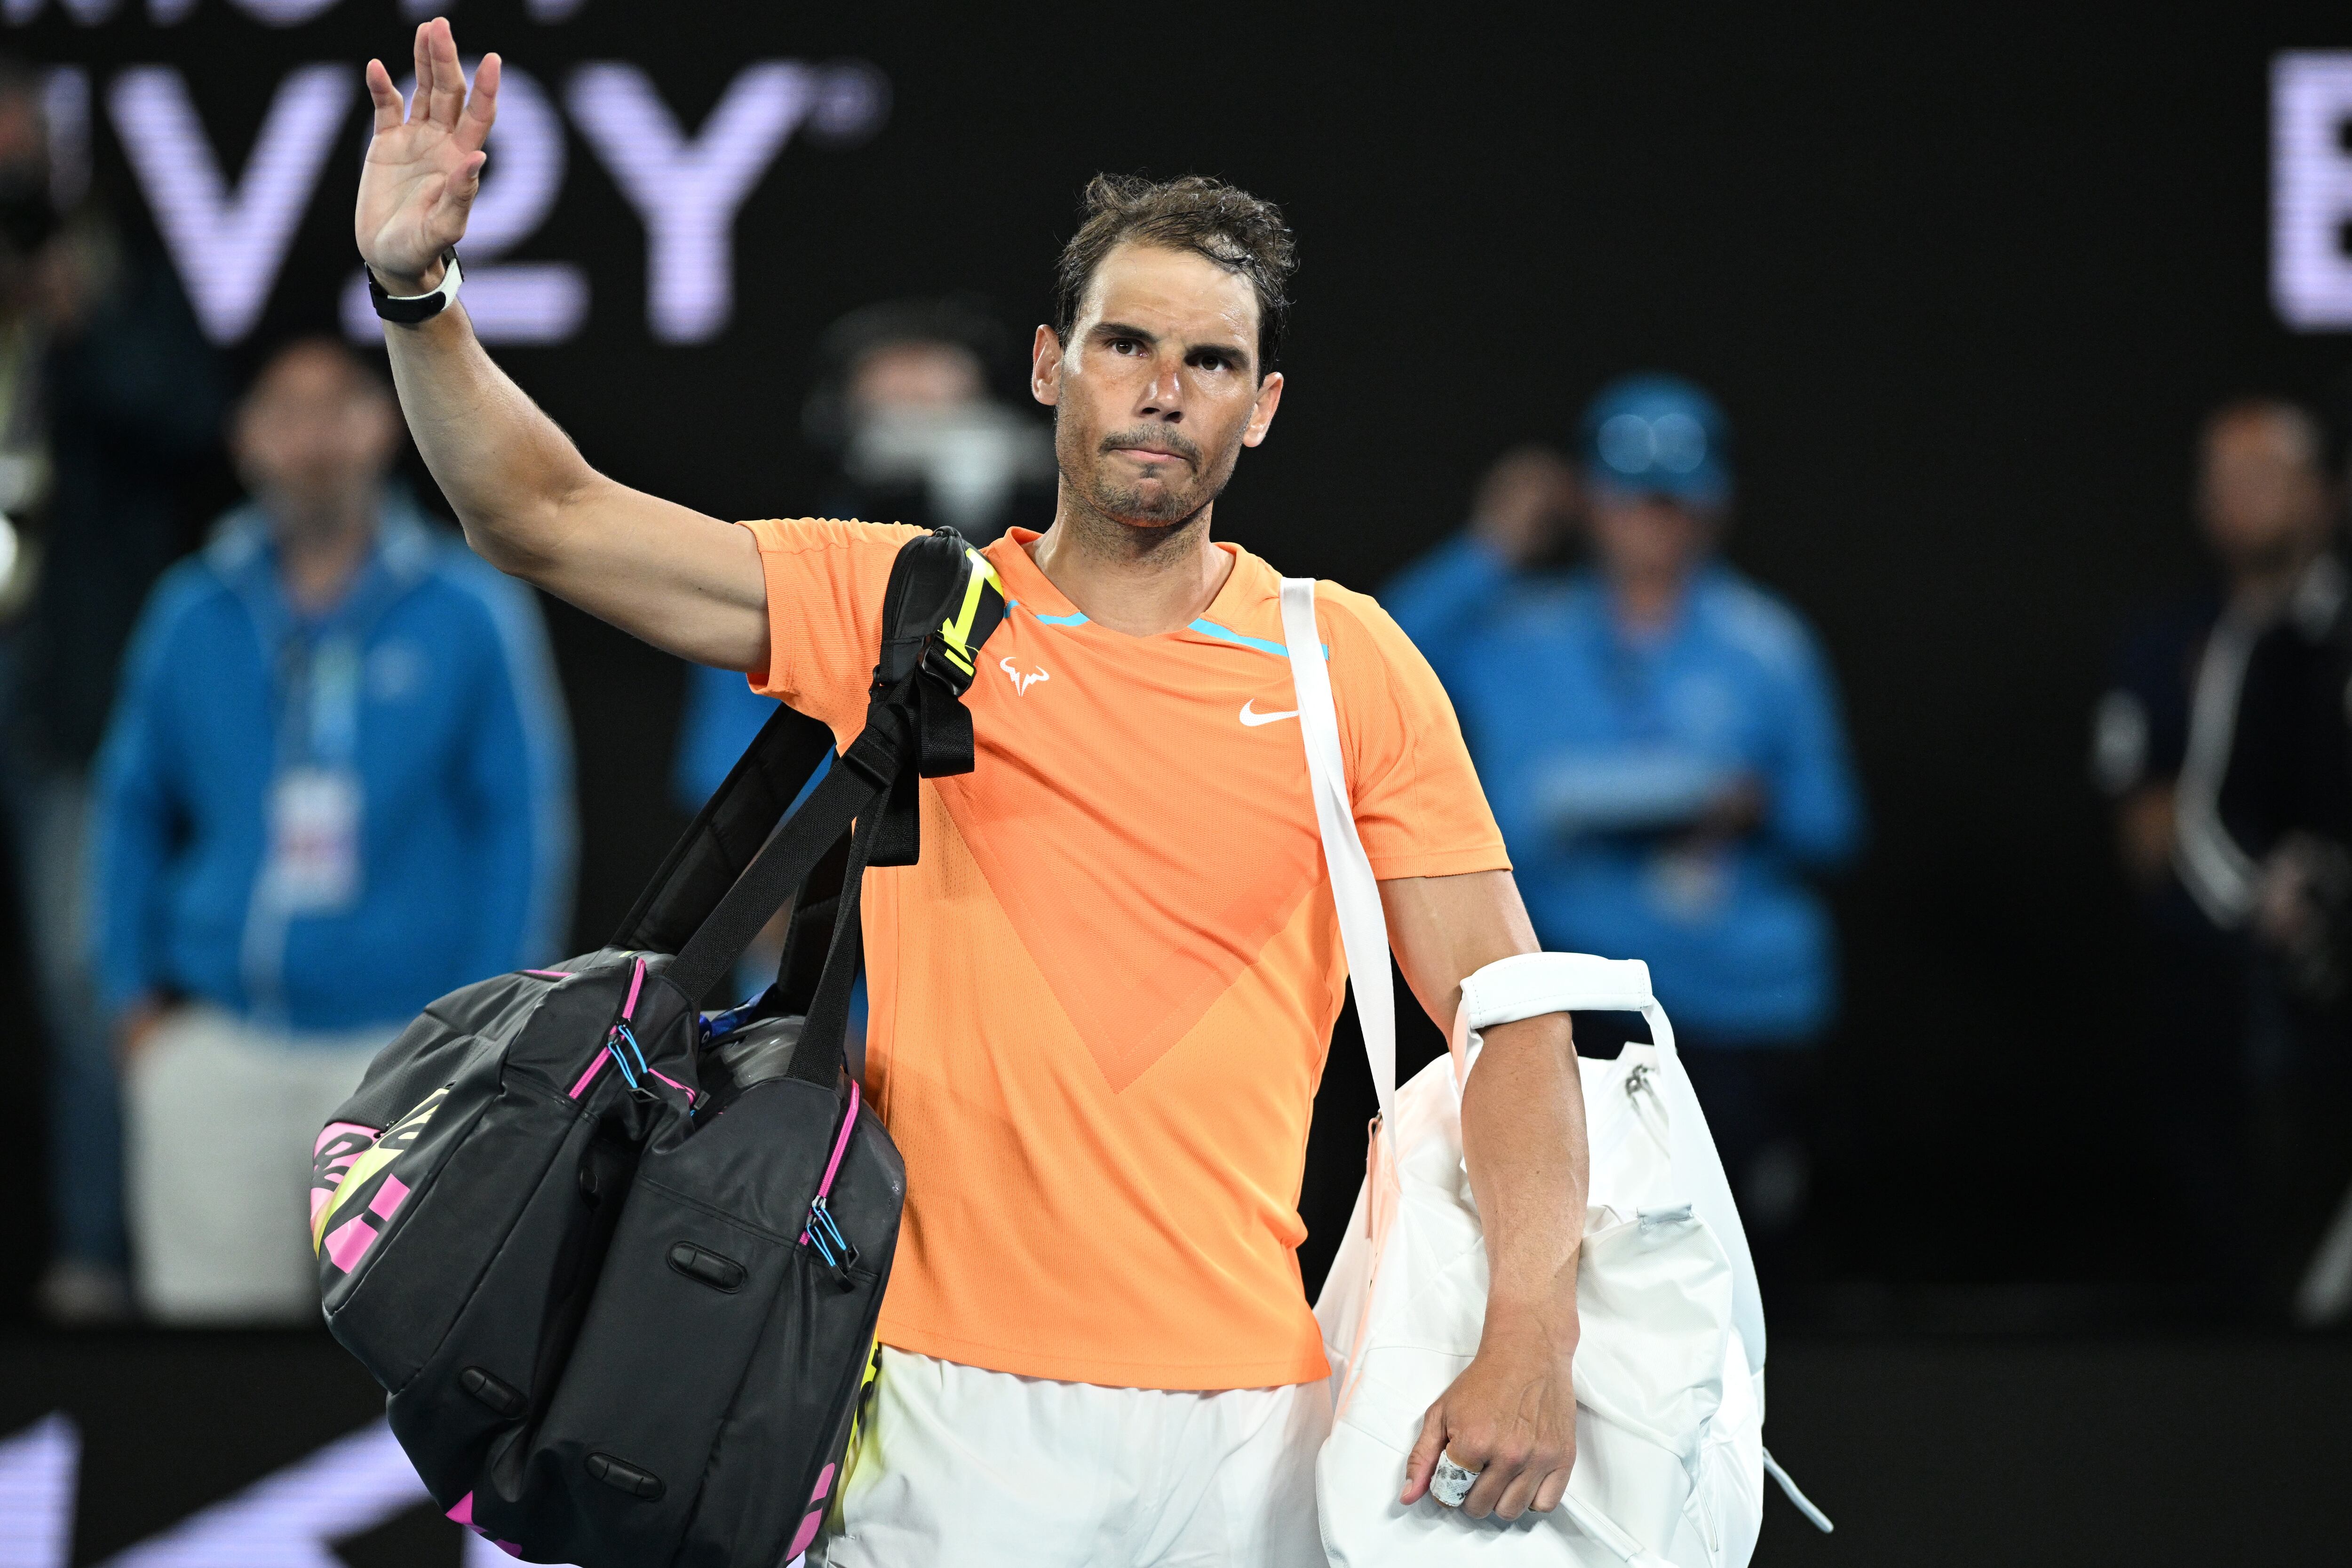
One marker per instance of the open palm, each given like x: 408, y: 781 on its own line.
x: 424, y: 165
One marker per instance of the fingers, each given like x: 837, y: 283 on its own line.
x: 482, y: 106
x: 1495, y: 1479
x: 389, y: 109
x: 1422, y: 1463
x: 449, y: 94
x: 1554, y: 1487
x: 423, y: 68
x: 1520, y: 1492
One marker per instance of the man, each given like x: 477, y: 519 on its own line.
x: 1662, y: 741
x: 1100, y: 1003
x: 2222, y: 744
x: 336, y: 785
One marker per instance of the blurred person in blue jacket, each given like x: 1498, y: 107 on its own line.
x: 1660, y: 740
x: 336, y: 784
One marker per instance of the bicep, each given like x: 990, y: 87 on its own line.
x: 1446, y: 929
x: 683, y: 581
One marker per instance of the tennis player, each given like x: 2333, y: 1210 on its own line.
x: 1101, y: 1003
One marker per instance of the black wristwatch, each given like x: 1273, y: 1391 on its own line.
x: 409, y: 310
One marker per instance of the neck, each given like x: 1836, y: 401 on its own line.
x: 1647, y: 601
x: 318, y: 559
x: 2260, y: 585
x: 1139, y: 580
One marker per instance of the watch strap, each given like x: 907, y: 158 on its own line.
x: 410, y: 310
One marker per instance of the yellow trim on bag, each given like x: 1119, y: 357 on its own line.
x: 388, y: 1147
x: 954, y: 635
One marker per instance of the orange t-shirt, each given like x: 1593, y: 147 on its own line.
x: 1101, y: 1003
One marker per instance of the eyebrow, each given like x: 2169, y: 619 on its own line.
x: 1233, y: 352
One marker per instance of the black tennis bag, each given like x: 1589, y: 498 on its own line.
x: 617, y: 1264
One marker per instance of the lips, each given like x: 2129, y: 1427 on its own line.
x: 1148, y: 447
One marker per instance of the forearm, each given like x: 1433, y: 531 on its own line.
x: 505, y: 468
x: 1523, y: 1107
x: 531, y: 506
x: 1523, y: 1143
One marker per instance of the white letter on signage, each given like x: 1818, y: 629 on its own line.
x: 2311, y: 189
x: 687, y: 192
x: 36, y: 1494
x: 229, y: 249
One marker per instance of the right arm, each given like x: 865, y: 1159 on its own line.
x: 529, y: 503
x: 1524, y: 503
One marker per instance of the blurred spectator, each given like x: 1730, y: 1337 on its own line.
x: 902, y: 404
x: 336, y: 784
x: 1661, y: 743
x: 2213, y: 742
x: 108, y: 397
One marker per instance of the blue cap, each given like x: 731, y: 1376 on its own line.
x: 1661, y: 435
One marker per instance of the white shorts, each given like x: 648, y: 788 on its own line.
x: 219, y: 1120
x: 958, y: 1468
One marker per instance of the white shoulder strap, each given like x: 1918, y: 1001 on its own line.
x: 1363, y: 924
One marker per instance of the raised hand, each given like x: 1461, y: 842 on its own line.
x: 423, y: 166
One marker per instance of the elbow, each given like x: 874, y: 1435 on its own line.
x: 500, y: 544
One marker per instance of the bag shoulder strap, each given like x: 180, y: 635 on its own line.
x: 735, y: 866
x: 1363, y: 924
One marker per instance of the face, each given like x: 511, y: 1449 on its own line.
x: 2261, y: 495
x: 314, y: 439
x: 925, y: 375
x: 1639, y: 535
x: 1158, y: 390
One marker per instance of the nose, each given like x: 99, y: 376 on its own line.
x: 1164, y: 396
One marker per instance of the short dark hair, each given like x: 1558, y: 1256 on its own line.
x: 1238, y: 231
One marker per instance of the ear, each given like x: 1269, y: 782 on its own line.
x: 1269, y: 398
x: 1045, y: 367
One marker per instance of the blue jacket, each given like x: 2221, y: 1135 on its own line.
x: 429, y: 688
x: 1597, y: 753
x: 722, y: 714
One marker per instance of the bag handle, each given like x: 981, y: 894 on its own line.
x: 1514, y: 988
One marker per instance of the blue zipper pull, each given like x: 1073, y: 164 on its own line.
x: 831, y: 1246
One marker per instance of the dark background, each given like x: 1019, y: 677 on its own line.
x: 1965, y: 281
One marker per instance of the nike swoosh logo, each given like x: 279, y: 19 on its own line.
x: 1254, y: 719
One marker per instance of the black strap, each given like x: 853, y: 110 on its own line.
x: 808, y: 936
x: 729, y: 830
x: 822, y: 1051
x: 784, y: 865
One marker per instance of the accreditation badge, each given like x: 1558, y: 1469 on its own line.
x: 314, y: 839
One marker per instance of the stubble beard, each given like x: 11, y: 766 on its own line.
x: 1144, y: 519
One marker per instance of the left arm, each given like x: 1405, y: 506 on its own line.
x: 1511, y: 1415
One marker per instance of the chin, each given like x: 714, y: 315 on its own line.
x: 1145, y: 509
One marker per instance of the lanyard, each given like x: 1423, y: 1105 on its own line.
x: 318, y: 699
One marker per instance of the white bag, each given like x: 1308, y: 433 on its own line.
x: 1669, y: 1365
